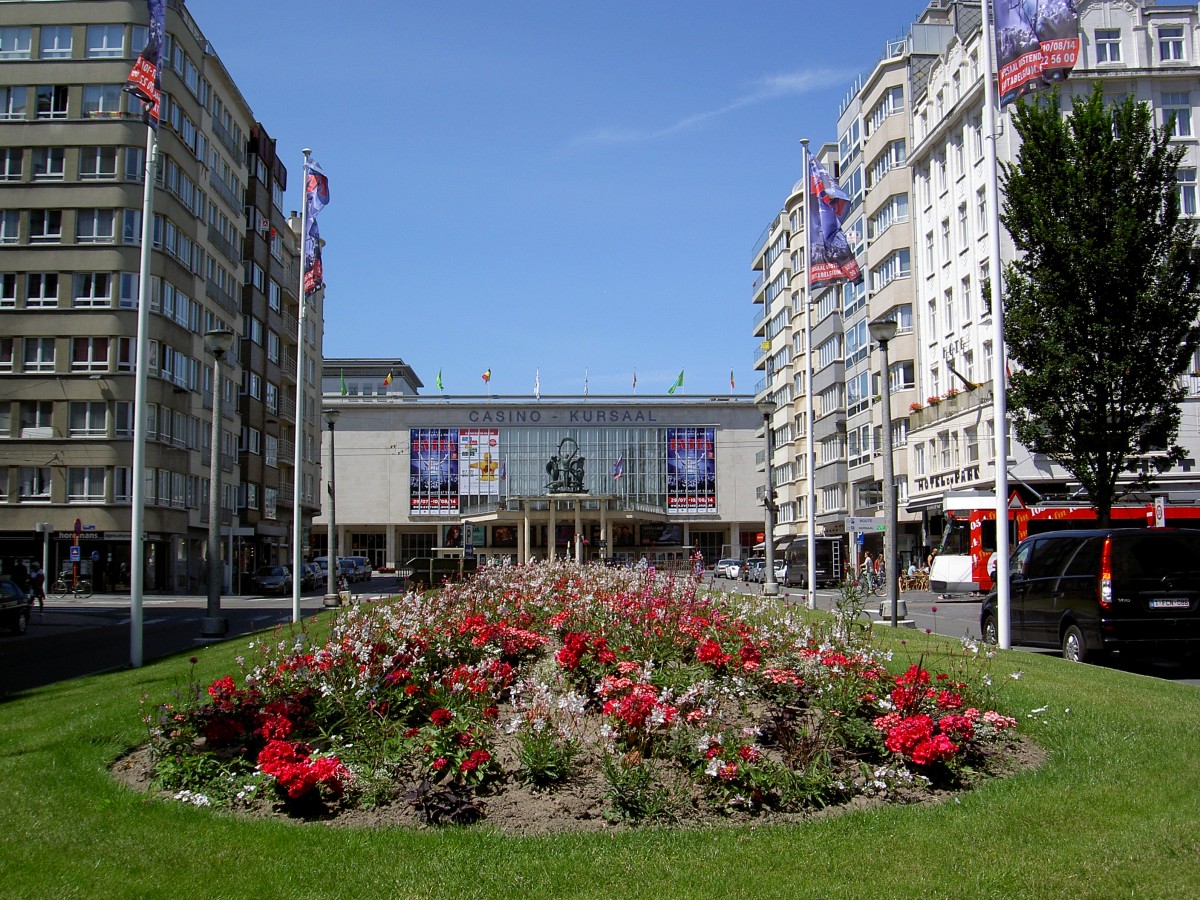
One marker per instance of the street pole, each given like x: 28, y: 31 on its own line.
x: 883, y: 330
x: 218, y: 343
x: 770, y: 587
x: 331, y: 555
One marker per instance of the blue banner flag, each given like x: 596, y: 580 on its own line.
x: 831, y: 260
x: 316, y: 189
x: 1036, y: 41
x: 314, y: 271
x: 145, y: 80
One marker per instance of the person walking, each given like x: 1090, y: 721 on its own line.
x: 20, y: 575
x: 37, y: 586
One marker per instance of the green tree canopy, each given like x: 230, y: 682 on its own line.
x: 1101, y: 302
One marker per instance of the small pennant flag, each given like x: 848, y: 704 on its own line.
x: 678, y: 383
x: 487, y: 376
x: 504, y: 468
x: 731, y: 385
x: 440, y: 387
x: 619, y: 467
x: 585, y: 382
x: 635, y: 379
x: 537, y: 384
x: 345, y: 390
x: 387, y: 381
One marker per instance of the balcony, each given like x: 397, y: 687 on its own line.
x: 949, y: 407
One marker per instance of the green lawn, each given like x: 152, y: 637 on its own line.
x: 1115, y: 811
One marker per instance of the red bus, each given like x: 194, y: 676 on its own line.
x: 964, y: 560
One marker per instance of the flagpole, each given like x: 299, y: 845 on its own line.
x: 999, y: 386
x: 809, y: 451
x: 137, y: 548
x: 297, y: 523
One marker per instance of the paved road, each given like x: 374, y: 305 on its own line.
x: 73, y: 638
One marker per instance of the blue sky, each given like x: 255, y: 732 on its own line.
x: 569, y: 187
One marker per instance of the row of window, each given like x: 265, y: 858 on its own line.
x: 100, y: 41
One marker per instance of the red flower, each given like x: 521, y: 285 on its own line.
x: 441, y: 717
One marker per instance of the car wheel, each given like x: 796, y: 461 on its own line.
x: 991, y: 631
x: 1073, y: 647
x: 21, y: 624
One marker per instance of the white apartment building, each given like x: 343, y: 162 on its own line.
x: 1132, y: 48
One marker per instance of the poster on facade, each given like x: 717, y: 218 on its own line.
x: 1037, y: 41
x: 433, y: 471
x: 691, y: 470
x: 479, y: 462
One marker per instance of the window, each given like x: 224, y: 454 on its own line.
x: 34, y: 483
x: 85, y: 484
x: 8, y: 297
x: 965, y: 298
x: 50, y: 101
x: 981, y: 219
x: 122, y: 484
x: 1170, y: 43
x: 896, y: 210
x: 1187, y: 191
x: 39, y: 354
x: 12, y: 103
x: 858, y: 393
x: 11, y: 159
x: 272, y: 455
x: 48, y: 163
x: 902, y: 376
x: 45, y: 226
x: 964, y: 227
x: 929, y: 252
x: 41, y: 289
x: 897, y: 265
x: 10, y: 226
x: 1108, y: 45
x: 93, y: 289
x: 105, y: 41
x: 36, y: 419
x: 94, y: 226
x: 56, y: 42
x: 102, y: 100
x: 15, y: 42
x: 87, y: 418
x: 89, y: 354
x: 273, y: 347
x: 97, y: 163
x: 1179, y: 104
x: 274, y: 295
x: 945, y: 240
x: 830, y: 351
x: 858, y: 344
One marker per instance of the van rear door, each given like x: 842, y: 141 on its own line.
x: 1156, y: 586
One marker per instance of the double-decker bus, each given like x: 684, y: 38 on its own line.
x: 965, y: 562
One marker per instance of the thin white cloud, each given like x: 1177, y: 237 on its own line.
x: 773, y: 87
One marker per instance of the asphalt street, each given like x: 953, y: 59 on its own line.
x: 71, y: 638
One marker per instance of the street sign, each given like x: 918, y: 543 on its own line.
x: 74, y: 554
x: 864, y: 523
x: 862, y: 538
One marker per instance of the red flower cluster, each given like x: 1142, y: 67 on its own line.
x: 579, y: 645
x: 441, y: 717
x: 710, y: 653
x: 475, y: 760
x: 297, y: 772
x: 635, y: 704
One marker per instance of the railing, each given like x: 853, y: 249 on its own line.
x: 951, y: 406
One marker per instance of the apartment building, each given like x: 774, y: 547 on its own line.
x: 72, y: 163
x: 1136, y: 48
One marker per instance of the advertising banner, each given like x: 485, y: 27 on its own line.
x: 479, y: 462
x: 1037, y: 41
x: 691, y: 470
x: 433, y: 471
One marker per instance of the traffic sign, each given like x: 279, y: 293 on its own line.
x: 864, y: 523
x: 74, y: 554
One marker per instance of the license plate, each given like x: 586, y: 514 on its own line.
x: 1170, y: 604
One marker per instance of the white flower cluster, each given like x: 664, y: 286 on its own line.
x: 193, y: 798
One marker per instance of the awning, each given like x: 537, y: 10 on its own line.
x: 931, y: 504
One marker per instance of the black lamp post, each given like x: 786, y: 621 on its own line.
x: 332, y: 565
x: 770, y: 586
x: 883, y: 330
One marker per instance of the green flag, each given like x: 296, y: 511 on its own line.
x: 678, y: 383
x: 345, y: 391
x: 439, y: 380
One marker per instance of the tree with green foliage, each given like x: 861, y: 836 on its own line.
x: 1100, y: 304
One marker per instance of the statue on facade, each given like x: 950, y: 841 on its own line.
x: 565, y: 469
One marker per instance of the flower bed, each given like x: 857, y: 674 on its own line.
x: 602, y: 694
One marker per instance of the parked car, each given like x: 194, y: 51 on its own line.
x: 361, y: 568
x: 728, y: 568
x: 756, y: 570
x: 312, y: 576
x: 1088, y: 592
x: 14, y: 607
x: 272, y: 579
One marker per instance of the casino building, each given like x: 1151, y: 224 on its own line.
x: 523, y: 478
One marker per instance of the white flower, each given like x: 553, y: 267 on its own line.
x: 1015, y: 676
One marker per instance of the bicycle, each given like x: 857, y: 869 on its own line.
x: 80, y: 589
x: 867, y: 583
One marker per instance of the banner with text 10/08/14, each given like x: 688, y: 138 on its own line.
x: 1037, y: 41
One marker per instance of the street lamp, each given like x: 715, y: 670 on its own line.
x: 770, y: 587
x: 883, y: 330
x: 218, y: 343
x: 331, y: 555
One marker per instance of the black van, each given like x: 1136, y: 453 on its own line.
x: 1135, y: 590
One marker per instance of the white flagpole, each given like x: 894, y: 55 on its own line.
x: 297, y: 523
x: 137, y: 550
x: 999, y: 385
x: 809, y: 451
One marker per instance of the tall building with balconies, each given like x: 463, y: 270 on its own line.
x: 72, y: 165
